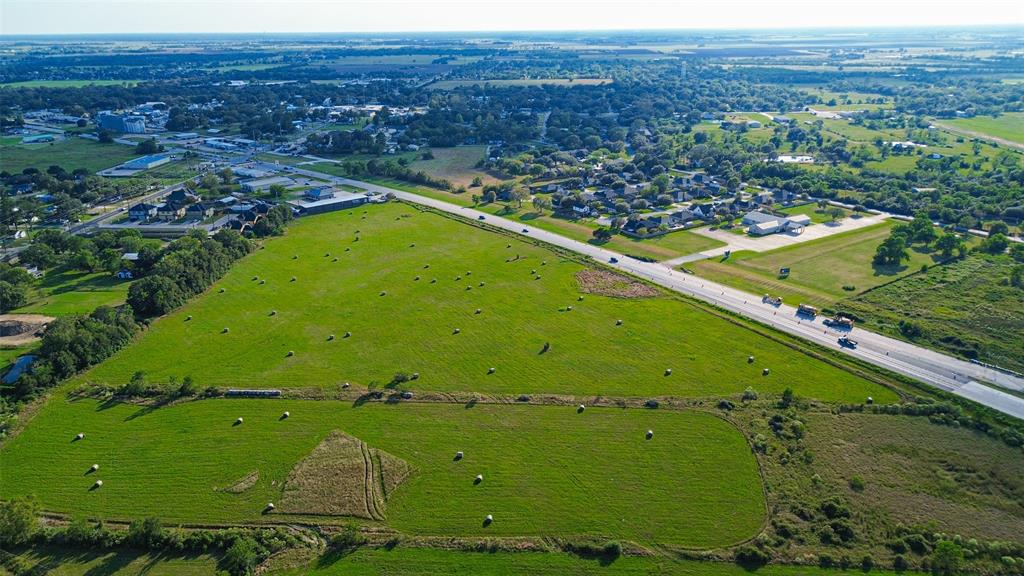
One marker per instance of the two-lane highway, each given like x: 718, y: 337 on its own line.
x: 939, y: 370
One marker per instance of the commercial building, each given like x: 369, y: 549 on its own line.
x: 263, y: 184
x: 320, y: 200
x: 146, y: 162
x: 127, y: 124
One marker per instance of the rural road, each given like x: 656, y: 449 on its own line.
x: 933, y: 368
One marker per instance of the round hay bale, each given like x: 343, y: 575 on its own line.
x: 187, y: 318
x: 538, y: 277
x: 239, y: 420
x: 98, y: 484
x: 650, y: 434
x: 543, y: 262
x: 263, y: 282
x: 870, y: 400
x: 457, y: 278
x: 80, y: 436
x: 416, y: 279
x: 383, y: 293
x: 273, y: 312
x: 491, y: 370
x: 433, y: 280
x: 345, y: 385
x: 225, y: 330
x: 534, y: 271
x: 568, y: 308
x: 255, y: 278
x: 327, y: 255
x: 293, y: 278
x: 765, y: 372
x: 580, y: 408
x: 469, y: 287
x: 415, y: 376
x: 334, y: 259
x: 94, y: 467
x: 270, y: 506
x: 456, y: 331
x: 413, y: 245
x: 458, y: 455
x: 221, y: 291
x: 407, y: 395
x: 579, y: 298
x: 425, y: 266
x: 750, y: 359
x: 348, y: 249
x: 285, y: 415
x: 478, y: 311
x: 330, y: 337
x: 468, y: 272
x: 488, y: 519
x: 481, y: 284
x: 668, y: 371
x: 479, y: 478
x: 290, y: 353
x: 348, y: 334
x: 618, y: 322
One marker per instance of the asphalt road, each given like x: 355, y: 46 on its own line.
x: 939, y: 370
x: 83, y: 226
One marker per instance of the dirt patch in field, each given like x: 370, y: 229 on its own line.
x: 343, y: 476
x: 20, y: 329
x: 610, y: 284
x: 244, y: 483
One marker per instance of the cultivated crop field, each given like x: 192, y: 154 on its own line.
x: 547, y: 470
x: 406, y: 285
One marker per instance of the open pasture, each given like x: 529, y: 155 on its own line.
x: 70, y: 154
x: 547, y: 470
x: 819, y: 269
x: 361, y: 295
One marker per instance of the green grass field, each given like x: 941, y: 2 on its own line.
x: 457, y: 165
x: 402, y: 562
x: 53, y: 561
x: 548, y: 470
x: 423, y: 562
x: 411, y: 328
x: 818, y: 269
x: 1009, y: 126
x: 69, y: 154
x: 62, y: 292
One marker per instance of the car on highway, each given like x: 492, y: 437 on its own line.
x: 613, y: 260
x: 480, y: 217
x: 845, y: 342
x: 525, y: 231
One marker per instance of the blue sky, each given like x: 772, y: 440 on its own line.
x: 167, y: 16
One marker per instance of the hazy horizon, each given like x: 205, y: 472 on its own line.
x: 95, y: 17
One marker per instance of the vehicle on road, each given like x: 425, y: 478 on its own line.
x: 525, y: 231
x: 806, y: 310
x: 845, y: 342
x: 481, y: 217
x: 839, y: 321
x: 613, y: 260
x: 774, y: 301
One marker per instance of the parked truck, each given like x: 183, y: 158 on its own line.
x: 774, y: 301
x: 845, y: 342
x: 807, y: 310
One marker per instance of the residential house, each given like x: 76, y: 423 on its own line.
x: 168, y: 212
x: 142, y: 212
x: 199, y: 211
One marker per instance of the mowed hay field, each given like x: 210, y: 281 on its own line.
x: 401, y: 324
x: 70, y: 154
x: 548, y: 470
